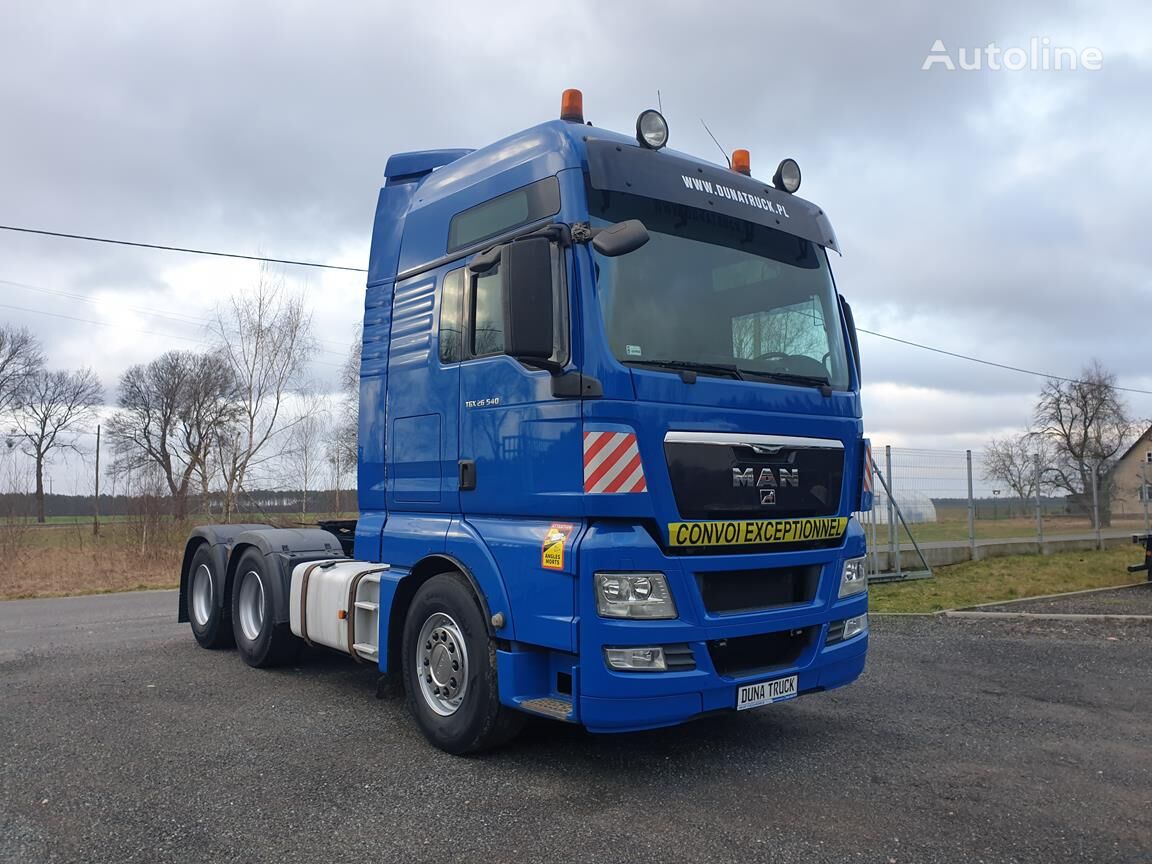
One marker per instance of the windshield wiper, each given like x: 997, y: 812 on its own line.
x: 689, y: 366
x: 792, y: 378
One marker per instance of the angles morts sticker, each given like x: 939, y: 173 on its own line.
x: 552, y: 550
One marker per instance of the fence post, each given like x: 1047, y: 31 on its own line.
x: 1039, y: 508
x: 1144, y: 493
x: 893, y: 545
x: 1096, y: 506
x: 971, y: 509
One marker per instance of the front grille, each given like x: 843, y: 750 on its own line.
x: 728, y: 591
x: 835, y: 633
x: 729, y: 478
x: 745, y: 655
x: 679, y: 658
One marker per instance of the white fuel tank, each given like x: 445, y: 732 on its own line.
x: 337, y: 604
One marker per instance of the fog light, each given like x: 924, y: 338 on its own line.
x: 635, y: 659
x: 854, y: 578
x: 855, y: 626
x: 651, y: 129
x: 633, y: 595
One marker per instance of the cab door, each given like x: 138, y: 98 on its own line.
x: 519, y: 443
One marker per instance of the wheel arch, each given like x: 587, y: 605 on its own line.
x: 219, y: 538
x: 406, y: 588
x: 282, y: 549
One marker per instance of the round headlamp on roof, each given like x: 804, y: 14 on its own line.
x: 651, y: 129
x: 787, y: 176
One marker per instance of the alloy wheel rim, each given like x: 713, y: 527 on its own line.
x: 442, y: 664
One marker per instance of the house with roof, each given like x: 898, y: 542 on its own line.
x: 1132, y: 477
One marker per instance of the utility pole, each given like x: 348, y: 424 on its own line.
x: 96, y: 497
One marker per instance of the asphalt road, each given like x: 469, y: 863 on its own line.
x: 122, y: 741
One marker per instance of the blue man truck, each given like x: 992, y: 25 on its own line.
x: 610, y: 445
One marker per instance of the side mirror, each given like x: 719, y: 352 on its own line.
x: 526, y: 266
x: 850, y: 320
x: 621, y: 238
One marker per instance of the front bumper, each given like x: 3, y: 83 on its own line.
x: 612, y: 701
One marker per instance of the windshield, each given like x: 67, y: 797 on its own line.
x: 719, y: 294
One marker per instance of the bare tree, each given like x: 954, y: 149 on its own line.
x: 1089, y: 426
x: 52, y: 405
x: 265, y: 338
x: 20, y: 359
x: 171, y: 414
x: 1011, y: 460
x: 304, y: 456
x: 343, y: 440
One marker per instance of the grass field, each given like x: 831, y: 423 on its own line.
x: 1010, y: 578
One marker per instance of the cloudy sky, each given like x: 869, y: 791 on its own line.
x: 995, y: 213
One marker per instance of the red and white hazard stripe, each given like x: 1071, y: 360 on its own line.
x: 868, y: 467
x: 612, y: 463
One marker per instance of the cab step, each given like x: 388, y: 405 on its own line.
x: 557, y: 709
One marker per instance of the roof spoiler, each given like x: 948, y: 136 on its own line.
x: 403, y: 167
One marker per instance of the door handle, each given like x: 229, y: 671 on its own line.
x: 467, y: 475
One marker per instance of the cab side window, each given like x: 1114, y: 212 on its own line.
x: 452, y: 317
x: 488, y: 314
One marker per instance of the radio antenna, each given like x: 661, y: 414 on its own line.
x: 713, y: 137
x: 659, y: 101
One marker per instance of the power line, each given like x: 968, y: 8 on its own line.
x: 167, y: 248
x: 175, y: 317
x: 991, y: 362
x: 164, y: 248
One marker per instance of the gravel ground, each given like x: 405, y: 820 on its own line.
x: 965, y: 741
x: 1135, y: 600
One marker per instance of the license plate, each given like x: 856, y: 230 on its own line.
x: 766, y: 692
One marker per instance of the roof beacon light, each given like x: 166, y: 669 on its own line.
x: 572, y: 106
x: 651, y: 129
x: 787, y: 176
x: 742, y: 162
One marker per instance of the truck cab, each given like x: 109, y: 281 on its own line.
x: 610, y: 444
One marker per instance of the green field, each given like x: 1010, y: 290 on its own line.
x: 1009, y: 578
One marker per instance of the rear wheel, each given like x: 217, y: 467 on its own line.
x: 261, y: 642
x: 449, y: 670
x: 206, y: 613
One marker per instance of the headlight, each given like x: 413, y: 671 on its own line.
x: 633, y: 595
x: 854, y: 578
x: 651, y: 129
x: 787, y: 176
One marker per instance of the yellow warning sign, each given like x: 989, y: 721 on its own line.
x: 552, y: 552
x: 756, y: 533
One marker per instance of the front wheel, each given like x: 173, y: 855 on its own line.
x: 449, y: 670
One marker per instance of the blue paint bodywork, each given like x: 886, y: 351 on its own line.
x: 527, y: 447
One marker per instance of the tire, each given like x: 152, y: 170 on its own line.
x: 261, y: 642
x: 210, y: 618
x: 446, y: 628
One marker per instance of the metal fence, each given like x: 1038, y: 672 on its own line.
x: 945, y: 498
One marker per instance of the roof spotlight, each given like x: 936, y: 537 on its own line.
x: 787, y: 176
x: 651, y: 129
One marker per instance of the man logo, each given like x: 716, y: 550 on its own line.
x: 766, y: 478
x: 767, y: 496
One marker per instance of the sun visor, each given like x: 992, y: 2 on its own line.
x: 659, y: 174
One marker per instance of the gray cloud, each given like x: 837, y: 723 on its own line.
x: 997, y: 214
